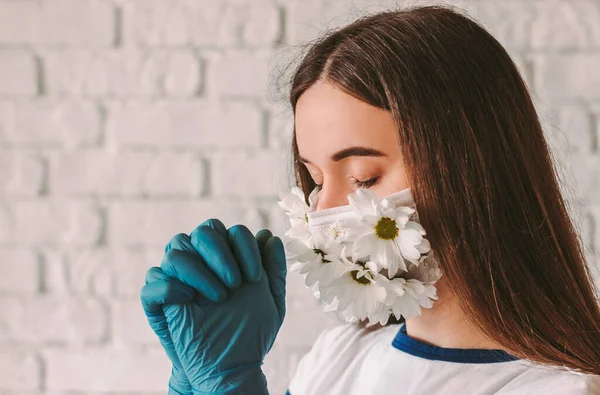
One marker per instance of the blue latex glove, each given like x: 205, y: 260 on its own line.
x: 159, y: 290
x: 221, y: 346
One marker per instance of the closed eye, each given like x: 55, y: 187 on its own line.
x: 367, y: 183
x: 358, y: 183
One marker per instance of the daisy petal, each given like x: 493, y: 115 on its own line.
x: 363, y: 246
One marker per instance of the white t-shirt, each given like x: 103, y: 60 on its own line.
x: 349, y: 360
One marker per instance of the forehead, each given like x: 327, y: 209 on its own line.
x: 328, y: 119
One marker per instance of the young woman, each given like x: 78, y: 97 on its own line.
x: 422, y: 98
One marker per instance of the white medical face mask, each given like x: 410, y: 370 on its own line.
x: 346, y: 215
x: 365, y: 260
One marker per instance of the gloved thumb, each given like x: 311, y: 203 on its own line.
x: 161, y: 290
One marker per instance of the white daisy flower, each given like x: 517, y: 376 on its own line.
x: 351, y: 267
x: 319, y: 263
x: 296, y: 209
x: 385, y: 233
x: 407, y: 296
x: 428, y: 270
x: 338, y: 232
x: 330, y: 306
x: 358, y: 290
x: 381, y: 316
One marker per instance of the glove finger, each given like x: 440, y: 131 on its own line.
x: 245, y: 249
x: 153, y: 274
x: 161, y: 289
x: 262, y: 236
x: 156, y: 273
x: 217, y: 226
x: 217, y: 254
x: 273, y: 257
x: 182, y: 242
x: 190, y: 269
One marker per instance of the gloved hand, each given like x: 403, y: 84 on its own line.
x: 160, y: 290
x: 221, y: 346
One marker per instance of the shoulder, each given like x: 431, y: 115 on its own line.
x: 570, y: 383
x: 540, y: 380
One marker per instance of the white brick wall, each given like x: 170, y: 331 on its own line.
x: 124, y: 122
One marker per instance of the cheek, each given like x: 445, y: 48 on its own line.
x: 393, y: 180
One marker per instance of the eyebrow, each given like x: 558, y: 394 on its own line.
x: 351, y: 151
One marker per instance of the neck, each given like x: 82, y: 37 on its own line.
x: 445, y: 325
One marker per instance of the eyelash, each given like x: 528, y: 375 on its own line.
x: 359, y: 184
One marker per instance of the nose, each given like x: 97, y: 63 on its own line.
x: 331, y: 196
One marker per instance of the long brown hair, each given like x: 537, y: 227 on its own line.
x: 480, y: 173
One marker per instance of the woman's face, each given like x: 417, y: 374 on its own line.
x: 345, y: 144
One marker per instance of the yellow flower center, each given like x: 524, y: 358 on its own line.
x: 361, y: 280
x: 386, y: 229
x: 320, y: 252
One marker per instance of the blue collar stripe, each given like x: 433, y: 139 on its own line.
x: 415, y: 347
